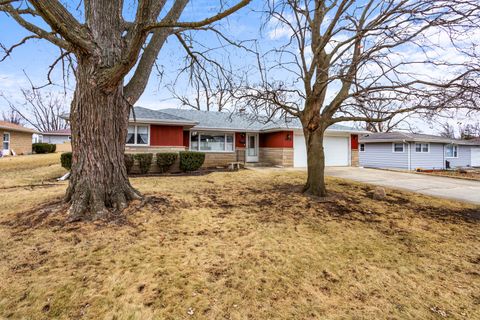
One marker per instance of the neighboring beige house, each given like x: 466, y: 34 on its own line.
x: 15, y: 138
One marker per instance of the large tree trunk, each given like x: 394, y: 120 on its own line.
x: 315, y: 163
x: 99, y: 120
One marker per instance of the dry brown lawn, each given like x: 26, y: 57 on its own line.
x: 240, y: 245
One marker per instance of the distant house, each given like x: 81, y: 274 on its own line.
x: 57, y: 136
x: 400, y: 150
x: 16, y: 139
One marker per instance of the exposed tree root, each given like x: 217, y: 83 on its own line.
x: 95, y: 204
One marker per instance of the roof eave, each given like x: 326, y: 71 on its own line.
x: 26, y: 130
x: 163, y: 122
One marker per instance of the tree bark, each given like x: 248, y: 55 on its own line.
x: 99, y: 121
x: 315, y: 163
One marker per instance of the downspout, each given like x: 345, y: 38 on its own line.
x: 409, y: 155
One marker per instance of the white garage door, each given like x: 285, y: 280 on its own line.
x: 475, y: 157
x: 336, y: 151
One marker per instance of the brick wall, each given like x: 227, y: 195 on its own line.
x: 277, y: 156
x: 355, y: 160
x: 20, y: 142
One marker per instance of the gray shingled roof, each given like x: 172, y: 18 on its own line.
x: 155, y: 115
x: 411, y: 137
x: 237, y: 121
x: 216, y: 120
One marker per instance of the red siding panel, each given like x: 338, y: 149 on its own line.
x: 166, y: 135
x: 281, y: 139
x: 354, y: 141
x: 186, y: 139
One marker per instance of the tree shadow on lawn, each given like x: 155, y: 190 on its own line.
x: 275, y: 202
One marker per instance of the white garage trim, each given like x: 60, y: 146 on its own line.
x: 475, y: 154
x: 336, y: 147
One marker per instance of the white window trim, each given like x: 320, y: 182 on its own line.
x: 9, y: 138
x: 9, y: 141
x: 453, y: 157
x: 393, y: 147
x: 135, y: 135
x: 225, y: 133
x: 421, y: 147
x: 360, y: 147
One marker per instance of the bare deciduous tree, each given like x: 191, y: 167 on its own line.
x: 42, y: 111
x: 379, y: 109
x: 106, y: 47
x: 211, y: 89
x: 344, y: 55
x: 460, y: 130
x: 447, y: 131
x: 12, y: 116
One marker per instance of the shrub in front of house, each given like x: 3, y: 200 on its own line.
x: 191, y: 160
x: 165, y: 160
x: 44, y: 148
x: 129, y: 161
x: 144, y: 161
x: 66, y: 160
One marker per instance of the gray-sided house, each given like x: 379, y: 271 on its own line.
x: 238, y: 137
x: 400, y: 150
x: 57, y: 136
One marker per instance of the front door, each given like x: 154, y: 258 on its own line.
x: 252, y: 147
x: 6, y: 144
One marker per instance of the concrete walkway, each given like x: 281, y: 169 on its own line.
x: 450, y: 188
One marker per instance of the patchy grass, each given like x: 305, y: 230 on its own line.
x: 468, y: 175
x: 29, y: 170
x: 241, y: 245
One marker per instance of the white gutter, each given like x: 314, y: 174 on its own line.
x: 409, y: 154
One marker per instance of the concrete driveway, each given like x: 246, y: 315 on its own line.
x: 450, y: 188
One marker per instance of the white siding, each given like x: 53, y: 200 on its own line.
x: 55, y: 139
x: 381, y: 155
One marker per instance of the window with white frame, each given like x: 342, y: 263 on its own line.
x: 362, y: 147
x: 451, y: 151
x: 211, y: 141
x: 6, y: 141
x: 138, y: 134
x: 398, y: 147
x: 422, y: 147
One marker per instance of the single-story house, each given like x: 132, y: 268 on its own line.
x: 239, y: 137
x: 16, y: 139
x: 57, y: 136
x: 401, y: 150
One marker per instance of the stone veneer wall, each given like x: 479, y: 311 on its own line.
x: 219, y: 159
x: 276, y: 156
x: 154, y: 149
x: 212, y: 159
x: 240, y: 155
x: 354, y: 160
x: 20, y: 142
